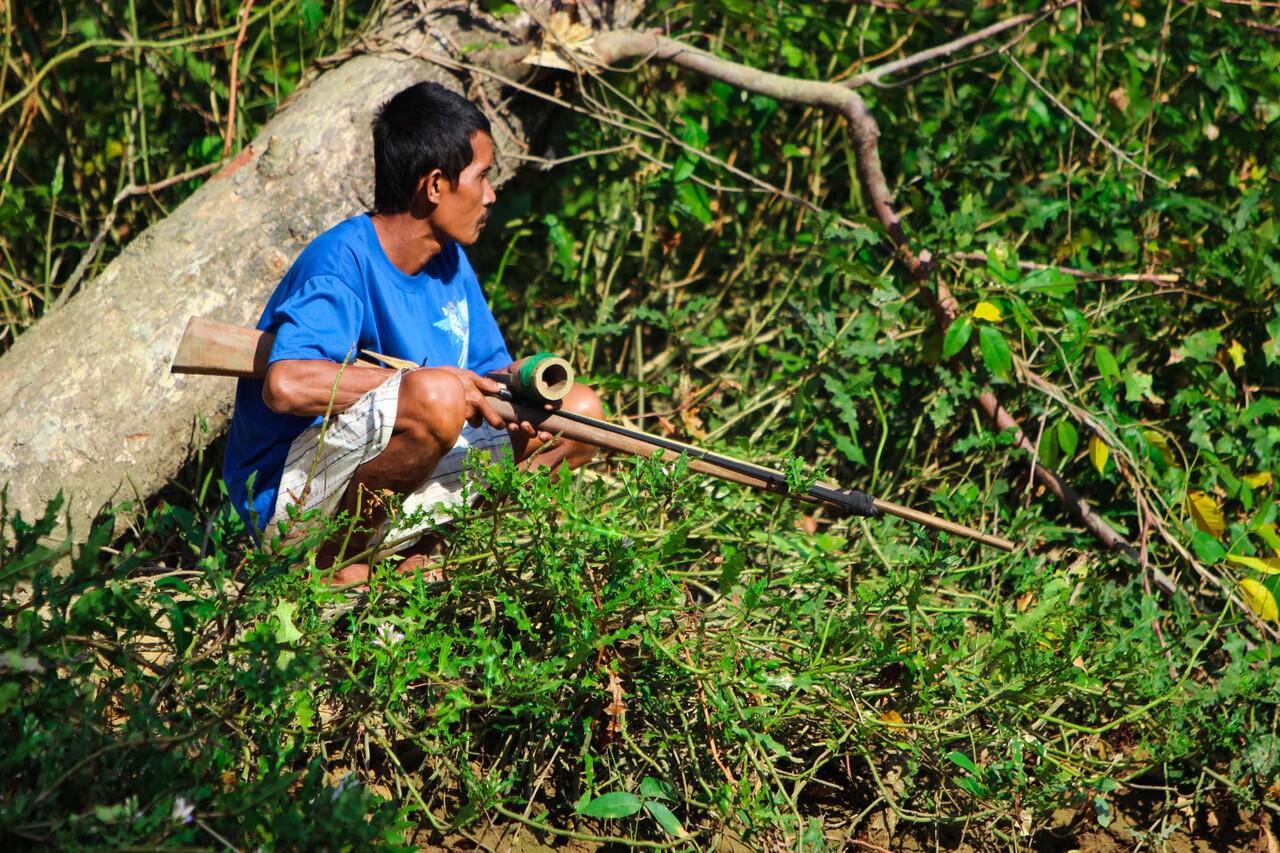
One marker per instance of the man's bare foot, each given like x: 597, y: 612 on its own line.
x: 422, y: 563
x: 358, y: 573
x: 354, y: 573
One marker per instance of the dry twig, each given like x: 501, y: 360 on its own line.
x: 235, y: 79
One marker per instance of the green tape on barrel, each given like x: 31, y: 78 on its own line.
x: 524, y: 378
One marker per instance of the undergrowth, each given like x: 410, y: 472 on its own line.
x: 714, y: 670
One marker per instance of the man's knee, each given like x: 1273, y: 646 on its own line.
x: 432, y: 407
x: 582, y: 400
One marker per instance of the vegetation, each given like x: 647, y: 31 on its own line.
x: 638, y: 656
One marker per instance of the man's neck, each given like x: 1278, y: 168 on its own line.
x: 408, y: 242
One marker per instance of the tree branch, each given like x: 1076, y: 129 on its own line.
x: 1106, y: 143
x: 622, y: 45
x: 1032, y: 266
x: 873, y: 76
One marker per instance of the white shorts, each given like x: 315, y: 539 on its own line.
x: 323, y: 459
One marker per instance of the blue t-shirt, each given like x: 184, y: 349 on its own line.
x: 343, y: 295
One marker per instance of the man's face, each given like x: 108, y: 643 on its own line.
x: 461, y: 211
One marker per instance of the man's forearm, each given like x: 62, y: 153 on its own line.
x: 306, y: 387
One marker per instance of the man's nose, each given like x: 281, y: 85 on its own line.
x: 489, y: 195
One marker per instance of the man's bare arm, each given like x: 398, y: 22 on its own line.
x: 304, y: 386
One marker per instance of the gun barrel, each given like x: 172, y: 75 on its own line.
x: 623, y: 440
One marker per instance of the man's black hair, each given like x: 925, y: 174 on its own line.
x: 424, y: 127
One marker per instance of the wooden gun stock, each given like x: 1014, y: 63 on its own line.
x: 210, y: 348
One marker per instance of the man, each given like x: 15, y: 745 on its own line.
x: 397, y: 282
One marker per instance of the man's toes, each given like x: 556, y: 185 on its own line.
x: 422, y: 563
x: 354, y: 573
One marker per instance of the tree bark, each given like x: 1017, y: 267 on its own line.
x: 89, y: 406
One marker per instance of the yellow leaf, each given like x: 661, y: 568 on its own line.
x: 563, y: 38
x: 1237, y: 354
x: 987, y: 311
x: 893, y: 719
x: 1269, y: 565
x: 1268, y: 533
x: 1258, y: 480
x: 1099, y: 453
x: 1160, y: 443
x: 1205, y: 513
x: 1259, y: 599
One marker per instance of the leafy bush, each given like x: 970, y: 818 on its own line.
x: 701, y: 673
x: 637, y: 653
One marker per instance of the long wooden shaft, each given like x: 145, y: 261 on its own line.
x: 612, y: 437
x: 219, y: 349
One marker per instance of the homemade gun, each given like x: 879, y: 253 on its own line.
x: 212, y: 348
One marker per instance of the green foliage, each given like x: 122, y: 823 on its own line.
x: 738, y: 669
x: 122, y: 118
x: 638, y: 653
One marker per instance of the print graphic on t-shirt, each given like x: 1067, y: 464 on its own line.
x: 455, y: 323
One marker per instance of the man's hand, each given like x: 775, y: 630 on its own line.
x: 478, y: 408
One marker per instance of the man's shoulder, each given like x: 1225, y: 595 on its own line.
x: 340, y: 251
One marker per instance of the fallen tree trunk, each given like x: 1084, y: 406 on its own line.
x: 90, y: 407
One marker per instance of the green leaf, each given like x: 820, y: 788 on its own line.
x: 1102, y: 810
x: 1108, y: 367
x: 1207, y: 547
x: 1002, y: 262
x: 1271, y: 349
x: 1202, y: 346
x: 312, y: 14
x: 692, y: 133
x: 793, y: 55
x: 1068, y: 438
x: 56, y: 188
x: 772, y: 745
x: 961, y: 760
x: 1137, y: 385
x: 656, y: 789
x: 957, y: 336
x: 693, y: 200
x: 1050, y: 282
x: 613, y: 805
x: 9, y: 691
x: 663, y: 815
x: 87, y: 27
x: 285, y: 630
x: 995, y: 351
x: 1267, y: 533
x: 1049, y: 450
x: 682, y: 169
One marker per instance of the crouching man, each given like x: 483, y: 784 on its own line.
x: 397, y: 282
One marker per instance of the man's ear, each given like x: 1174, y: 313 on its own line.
x: 431, y: 185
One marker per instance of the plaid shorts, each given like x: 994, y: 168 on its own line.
x: 323, y: 459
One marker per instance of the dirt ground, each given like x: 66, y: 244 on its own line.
x: 1138, y: 822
